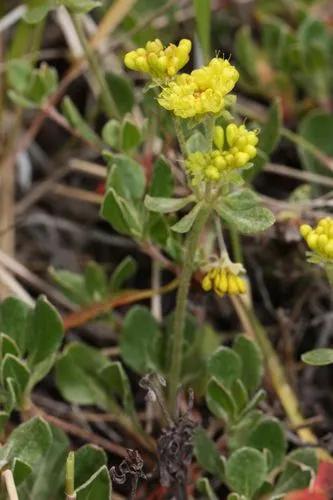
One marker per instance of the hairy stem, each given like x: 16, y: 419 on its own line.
x: 180, y: 135
x: 106, y: 96
x: 209, y: 129
x: 235, y: 239
x: 219, y: 235
x: 180, y: 312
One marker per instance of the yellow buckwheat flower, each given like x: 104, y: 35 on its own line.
x: 159, y: 62
x: 242, y: 145
x: 223, y: 280
x: 202, y: 91
x: 320, y: 238
x: 234, y: 152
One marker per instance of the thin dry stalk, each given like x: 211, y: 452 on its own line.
x: 77, y: 194
x: 88, y: 168
x: 8, y: 479
x: 20, y: 270
x: 7, y: 203
x: 278, y: 169
x: 39, y: 190
x: 9, y: 283
x: 113, y: 17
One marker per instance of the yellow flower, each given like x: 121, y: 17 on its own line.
x: 159, y: 62
x: 320, y: 238
x: 202, y: 91
x: 242, y: 144
x: 223, y: 280
x: 234, y: 152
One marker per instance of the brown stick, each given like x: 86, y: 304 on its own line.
x: 89, y: 436
x: 8, y: 479
x: 82, y: 316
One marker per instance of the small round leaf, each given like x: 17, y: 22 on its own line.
x: 318, y: 357
x: 246, y: 471
x: 225, y: 365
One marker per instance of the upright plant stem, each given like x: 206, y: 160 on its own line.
x: 209, y: 129
x: 180, y: 135
x: 180, y: 312
x: 236, y: 244
x: 106, y: 96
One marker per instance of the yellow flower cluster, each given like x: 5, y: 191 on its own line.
x: 158, y: 61
x: 222, y: 280
x: 320, y: 238
x: 238, y: 149
x: 202, y: 91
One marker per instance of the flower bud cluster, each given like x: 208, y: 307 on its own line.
x: 161, y: 63
x: 236, y: 146
x: 222, y: 280
x: 320, y: 238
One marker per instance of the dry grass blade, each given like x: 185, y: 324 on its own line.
x: 8, y: 479
x: 114, y: 16
x: 34, y: 281
x: 277, y: 169
x: 77, y: 194
x: 10, y: 286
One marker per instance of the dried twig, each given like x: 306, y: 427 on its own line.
x: 8, y: 479
x: 20, y: 270
x: 82, y: 316
x: 40, y: 190
x: 86, y: 435
x: 13, y: 287
x: 305, y: 176
x: 77, y: 194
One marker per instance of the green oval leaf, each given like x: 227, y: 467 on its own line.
x: 77, y: 376
x: 318, y: 357
x: 249, y: 221
x: 166, y: 205
x: 28, y: 442
x: 252, y: 364
x: 130, y: 135
x: 12, y: 367
x: 220, y: 401
x: 46, y: 332
x: 246, y: 471
x: 225, y: 365
x: 14, y: 316
x: 124, y: 271
x: 162, y: 182
x: 122, y: 92
x: 111, y: 133
x: 126, y: 177
x: 88, y: 460
x: 98, y: 486
x: 121, y: 214
x: 139, y: 340
x: 300, y: 468
x: 269, y: 435
x: 186, y: 222
x: 317, y: 128
x: 207, y: 454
